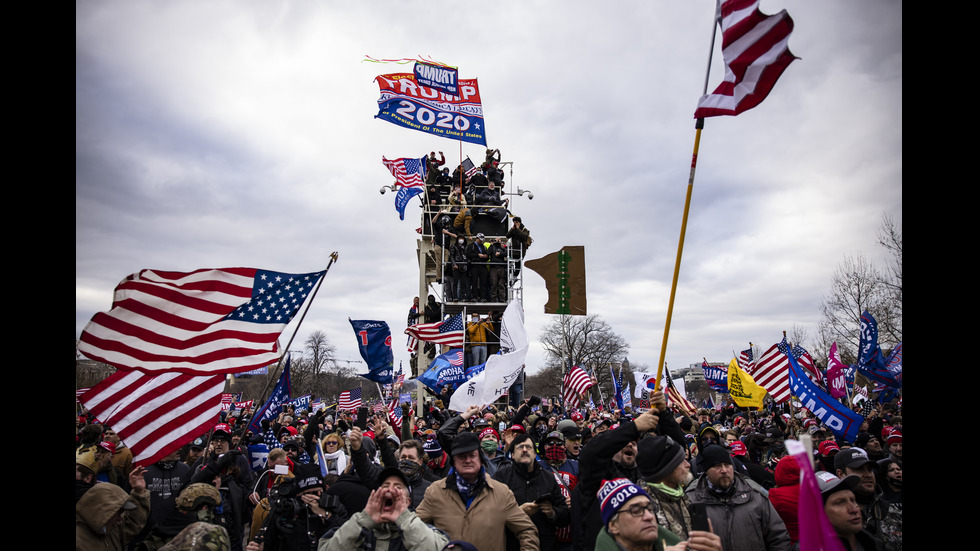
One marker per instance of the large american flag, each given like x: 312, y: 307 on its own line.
x: 575, y: 382
x: 155, y: 415
x: 756, y: 51
x: 448, y: 332
x: 201, y: 323
x: 350, y: 399
x: 407, y: 172
x: 676, y: 399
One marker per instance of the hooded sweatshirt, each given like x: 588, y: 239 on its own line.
x: 786, y: 495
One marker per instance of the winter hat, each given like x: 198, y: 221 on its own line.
x: 108, y: 446
x: 714, y: 455
x: 657, y: 457
x: 614, y: 494
x: 894, y: 437
x: 432, y: 447
x: 308, y: 476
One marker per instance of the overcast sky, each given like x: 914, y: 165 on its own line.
x: 228, y: 133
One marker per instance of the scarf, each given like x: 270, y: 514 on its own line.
x: 667, y: 490
x: 336, y: 462
x: 468, y: 491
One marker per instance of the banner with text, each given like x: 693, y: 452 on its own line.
x: 406, y: 103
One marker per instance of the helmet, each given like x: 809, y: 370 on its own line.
x: 198, y: 494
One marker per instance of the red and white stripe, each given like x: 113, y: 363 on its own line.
x: 756, y: 51
x: 772, y: 373
x: 155, y: 415
x: 575, y: 382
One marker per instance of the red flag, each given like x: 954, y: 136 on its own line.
x: 202, y: 323
x: 756, y: 51
x: 156, y: 414
x: 576, y: 381
x: 772, y: 371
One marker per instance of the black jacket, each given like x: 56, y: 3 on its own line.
x: 529, y: 487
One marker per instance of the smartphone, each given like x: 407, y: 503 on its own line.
x: 542, y: 499
x: 362, y: 415
x: 699, y: 517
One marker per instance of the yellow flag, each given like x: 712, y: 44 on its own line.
x: 745, y: 393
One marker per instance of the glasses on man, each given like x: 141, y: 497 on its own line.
x: 638, y: 510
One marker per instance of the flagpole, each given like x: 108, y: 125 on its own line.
x: 333, y: 258
x: 699, y: 125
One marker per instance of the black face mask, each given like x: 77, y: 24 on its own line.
x: 166, y: 465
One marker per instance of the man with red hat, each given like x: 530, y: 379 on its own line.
x: 893, y: 439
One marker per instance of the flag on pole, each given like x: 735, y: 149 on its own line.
x: 744, y: 391
x: 374, y: 345
x: 156, y: 414
x: 746, y: 361
x: 843, y: 422
x: 270, y: 409
x: 575, y: 382
x: 203, y: 322
x: 407, y: 172
x: 448, y: 332
x: 816, y: 532
x: 350, y: 400
x: 676, y: 398
x: 772, y: 371
x: 755, y: 47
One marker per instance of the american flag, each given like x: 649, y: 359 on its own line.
x: 407, y: 172
x: 395, y: 415
x: 448, y: 332
x: 806, y: 362
x: 745, y: 358
x: 676, y: 399
x: 201, y: 323
x: 350, y: 399
x: 756, y: 51
x: 156, y: 414
x: 575, y: 382
x: 469, y: 167
x: 772, y: 371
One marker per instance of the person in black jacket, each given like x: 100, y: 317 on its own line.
x: 597, y: 463
x: 536, y: 491
x: 231, y: 470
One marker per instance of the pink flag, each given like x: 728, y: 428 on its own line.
x: 816, y: 533
x: 836, y: 374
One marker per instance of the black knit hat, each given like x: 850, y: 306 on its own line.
x: 657, y: 457
x: 714, y: 455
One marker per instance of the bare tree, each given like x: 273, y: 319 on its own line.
x: 857, y: 286
x: 320, y: 351
x: 588, y: 342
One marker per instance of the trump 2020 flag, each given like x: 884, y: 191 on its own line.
x: 374, y: 344
x: 406, y: 103
x: 837, y: 417
x: 203, y: 322
x: 756, y: 51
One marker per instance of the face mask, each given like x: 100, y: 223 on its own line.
x: 409, y: 468
x: 488, y: 445
x: 166, y: 465
x: 460, y: 241
x: 554, y: 453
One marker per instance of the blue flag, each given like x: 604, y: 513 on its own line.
x: 445, y: 369
x: 617, y: 384
x: 836, y: 416
x: 279, y: 396
x: 405, y: 195
x: 374, y: 344
x: 715, y: 376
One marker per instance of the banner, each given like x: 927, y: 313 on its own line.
x: 716, y: 376
x: 446, y: 369
x: 837, y: 417
x: 303, y: 402
x: 499, y: 373
x: 440, y: 77
x: 405, y: 103
x: 374, y: 344
x: 279, y: 396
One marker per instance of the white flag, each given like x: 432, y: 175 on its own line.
x: 641, y: 383
x: 498, y: 375
x: 513, y: 335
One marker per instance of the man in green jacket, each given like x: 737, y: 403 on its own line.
x: 629, y: 523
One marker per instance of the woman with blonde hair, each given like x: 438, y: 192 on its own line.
x: 335, y: 453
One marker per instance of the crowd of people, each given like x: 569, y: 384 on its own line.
x: 537, y: 476
x: 474, y: 266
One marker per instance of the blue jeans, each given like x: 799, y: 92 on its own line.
x: 478, y: 354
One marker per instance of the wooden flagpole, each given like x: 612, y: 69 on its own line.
x: 699, y: 125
